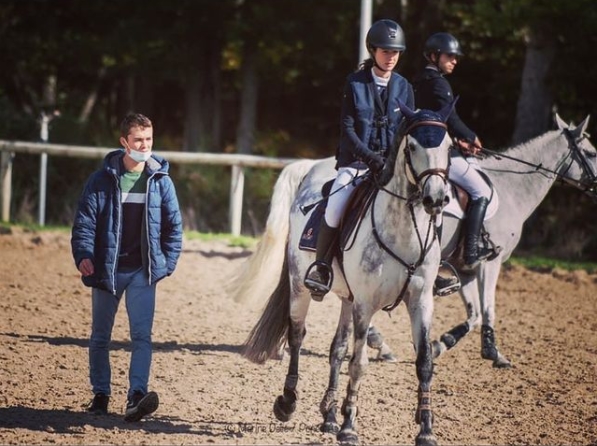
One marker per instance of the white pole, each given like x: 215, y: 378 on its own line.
x: 43, y: 168
x: 366, y: 13
x: 237, y: 185
x: 6, y: 181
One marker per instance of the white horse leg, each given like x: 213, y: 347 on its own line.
x: 489, y: 276
x: 469, y: 293
x: 285, y: 404
x: 421, y: 316
x: 356, y: 369
x: 329, y: 404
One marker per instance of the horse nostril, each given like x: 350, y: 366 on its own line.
x: 427, y: 201
x: 446, y: 200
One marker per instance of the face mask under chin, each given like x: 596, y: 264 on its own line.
x: 139, y: 157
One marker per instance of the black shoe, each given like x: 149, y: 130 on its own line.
x: 99, y: 404
x: 444, y: 286
x: 318, y: 283
x: 471, y: 263
x: 140, y: 405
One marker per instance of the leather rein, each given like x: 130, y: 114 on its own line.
x: 431, y: 234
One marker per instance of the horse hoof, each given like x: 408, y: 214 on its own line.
x: 501, y: 363
x: 387, y: 357
x: 330, y: 428
x: 425, y: 440
x: 282, y: 410
x: 347, y: 437
x: 436, y: 349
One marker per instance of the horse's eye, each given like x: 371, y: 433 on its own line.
x: 590, y: 154
x: 411, y: 147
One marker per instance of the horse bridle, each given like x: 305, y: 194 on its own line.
x: 584, y: 163
x: 416, y: 178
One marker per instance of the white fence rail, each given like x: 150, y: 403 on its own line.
x: 8, y: 149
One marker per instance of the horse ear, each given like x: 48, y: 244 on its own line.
x: 560, y: 122
x: 448, y: 109
x: 585, y: 124
x: 407, y: 112
x: 581, y: 128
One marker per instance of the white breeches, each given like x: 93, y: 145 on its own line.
x: 463, y: 172
x: 345, y: 185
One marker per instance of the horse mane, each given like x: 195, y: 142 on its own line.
x: 518, y: 150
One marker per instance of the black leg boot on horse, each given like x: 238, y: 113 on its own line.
x: 319, y: 275
x: 473, y: 253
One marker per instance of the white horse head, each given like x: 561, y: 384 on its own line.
x: 582, y: 172
x: 423, y: 151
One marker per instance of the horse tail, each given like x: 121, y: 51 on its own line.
x: 267, y: 337
x: 255, y: 276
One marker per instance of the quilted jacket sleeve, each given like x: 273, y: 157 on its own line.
x: 85, y: 224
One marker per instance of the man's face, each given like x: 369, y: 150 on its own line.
x: 447, y: 62
x: 139, y: 139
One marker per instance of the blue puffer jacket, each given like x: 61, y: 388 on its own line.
x: 358, y: 115
x: 97, y: 228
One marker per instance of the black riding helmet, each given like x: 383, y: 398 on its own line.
x: 442, y: 43
x: 385, y: 34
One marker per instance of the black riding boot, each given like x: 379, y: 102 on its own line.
x: 473, y: 253
x: 319, y: 274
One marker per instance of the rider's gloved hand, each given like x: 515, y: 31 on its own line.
x: 469, y: 148
x: 375, y: 161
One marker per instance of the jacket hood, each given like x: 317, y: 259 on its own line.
x: 113, y: 163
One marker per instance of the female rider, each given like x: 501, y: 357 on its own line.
x: 369, y: 121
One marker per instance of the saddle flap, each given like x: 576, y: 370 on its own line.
x: 355, y: 209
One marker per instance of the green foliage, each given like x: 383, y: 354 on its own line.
x: 141, y: 55
x: 538, y: 263
x: 237, y: 241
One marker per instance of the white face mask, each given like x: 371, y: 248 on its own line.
x: 139, y: 157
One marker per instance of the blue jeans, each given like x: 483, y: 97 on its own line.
x: 140, y: 307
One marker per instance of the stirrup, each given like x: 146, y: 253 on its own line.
x: 481, y: 257
x: 317, y: 287
x: 453, y: 285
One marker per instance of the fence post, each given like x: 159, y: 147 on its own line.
x: 6, y: 160
x: 237, y: 184
x: 43, y: 176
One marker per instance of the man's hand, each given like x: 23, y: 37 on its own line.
x: 86, y: 267
x: 469, y: 148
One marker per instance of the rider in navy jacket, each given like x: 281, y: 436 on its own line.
x: 370, y: 117
x: 359, y: 139
x: 97, y: 229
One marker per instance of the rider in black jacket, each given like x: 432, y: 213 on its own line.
x: 433, y: 91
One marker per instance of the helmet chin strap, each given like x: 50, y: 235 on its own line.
x: 375, y: 64
x: 436, y: 63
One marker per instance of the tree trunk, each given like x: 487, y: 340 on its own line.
x: 194, y: 126
x: 245, y: 135
x: 533, y: 111
x: 92, y: 97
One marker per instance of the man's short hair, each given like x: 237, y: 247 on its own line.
x: 134, y: 120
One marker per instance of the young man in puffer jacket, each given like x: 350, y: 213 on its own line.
x: 126, y: 236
